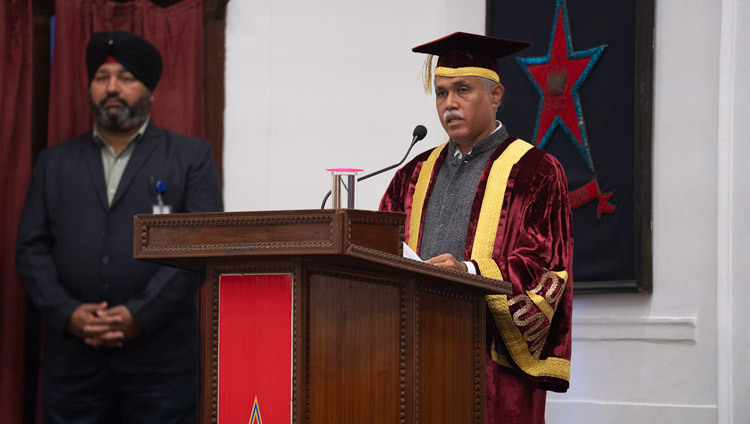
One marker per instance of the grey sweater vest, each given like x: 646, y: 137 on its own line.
x: 448, y: 212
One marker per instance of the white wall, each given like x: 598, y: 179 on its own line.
x: 326, y: 84
x: 313, y: 85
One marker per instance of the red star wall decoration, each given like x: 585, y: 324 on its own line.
x: 557, y: 77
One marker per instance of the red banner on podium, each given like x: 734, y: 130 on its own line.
x: 255, y: 348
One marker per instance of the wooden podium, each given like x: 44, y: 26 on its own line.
x: 323, y: 303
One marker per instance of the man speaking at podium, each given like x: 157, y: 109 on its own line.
x: 122, y: 339
x: 491, y: 204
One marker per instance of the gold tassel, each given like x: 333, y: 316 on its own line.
x: 427, y: 74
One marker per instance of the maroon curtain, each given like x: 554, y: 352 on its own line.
x: 176, y: 30
x: 15, y: 168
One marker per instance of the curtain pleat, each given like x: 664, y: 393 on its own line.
x: 15, y: 167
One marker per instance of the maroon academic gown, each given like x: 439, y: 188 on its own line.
x: 520, y: 231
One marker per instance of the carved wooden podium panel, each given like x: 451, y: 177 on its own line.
x: 373, y: 337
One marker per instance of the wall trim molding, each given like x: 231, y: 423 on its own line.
x: 646, y: 329
x: 636, y: 404
x: 593, y: 411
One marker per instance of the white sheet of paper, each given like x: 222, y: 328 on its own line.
x: 409, y: 253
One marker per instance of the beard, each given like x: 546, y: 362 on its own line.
x: 124, y: 118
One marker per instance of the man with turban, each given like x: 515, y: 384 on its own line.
x: 491, y: 204
x: 122, y: 335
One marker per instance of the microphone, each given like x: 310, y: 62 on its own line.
x: 419, y: 133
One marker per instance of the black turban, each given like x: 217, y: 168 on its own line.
x: 135, y: 54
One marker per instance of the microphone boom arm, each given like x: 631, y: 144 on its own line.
x: 364, y: 177
x: 414, y: 141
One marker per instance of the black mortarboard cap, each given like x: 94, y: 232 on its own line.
x: 464, y: 54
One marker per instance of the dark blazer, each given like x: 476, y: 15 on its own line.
x: 73, y: 248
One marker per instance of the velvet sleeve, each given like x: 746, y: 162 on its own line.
x: 534, y: 253
x: 544, y: 243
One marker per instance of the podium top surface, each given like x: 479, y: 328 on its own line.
x: 191, y: 240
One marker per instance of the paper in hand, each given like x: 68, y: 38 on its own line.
x: 410, y: 254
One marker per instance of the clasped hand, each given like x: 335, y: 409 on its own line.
x: 99, y: 325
